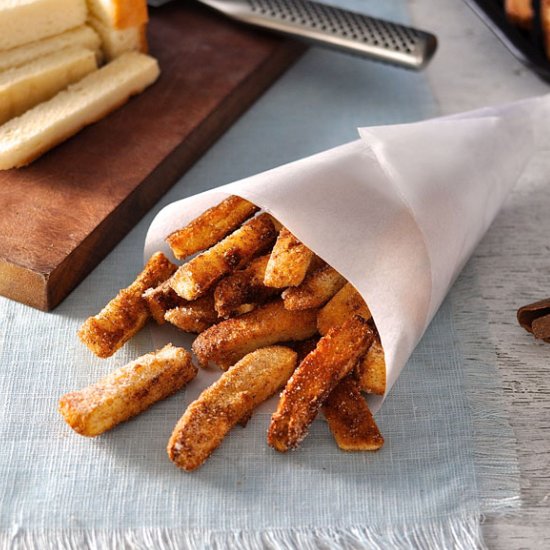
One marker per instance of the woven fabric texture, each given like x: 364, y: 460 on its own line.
x: 429, y: 483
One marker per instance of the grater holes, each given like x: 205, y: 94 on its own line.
x: 348, y: 25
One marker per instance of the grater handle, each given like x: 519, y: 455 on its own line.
x: 336, y: 28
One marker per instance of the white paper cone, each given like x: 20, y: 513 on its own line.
x: 397, y: 212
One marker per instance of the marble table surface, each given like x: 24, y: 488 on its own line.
x: 512, y: 264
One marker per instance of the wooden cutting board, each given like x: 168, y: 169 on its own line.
x: 62, y: 214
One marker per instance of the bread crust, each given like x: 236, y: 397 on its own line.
x: 319, y: 286
x: 229, y: 341
x: 130, y: 13
x: 350, y: 420
x: 315, y: 378
x: 231, y: 399
x: 127, y: 312
x: 210, y: 227
x: 127, y: 391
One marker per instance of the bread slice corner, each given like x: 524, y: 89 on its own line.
x: 119, y: 14
x: 116, y: 42
x: 25, y: 21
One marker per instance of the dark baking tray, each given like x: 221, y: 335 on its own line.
x: 523, y: 45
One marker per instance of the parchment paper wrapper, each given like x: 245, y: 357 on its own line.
x: 398, y: 212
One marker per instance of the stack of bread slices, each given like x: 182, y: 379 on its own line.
x: 63, y: 65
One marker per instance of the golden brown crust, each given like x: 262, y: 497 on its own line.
x: 161, y: 299
x: 520, y: 12
x: 194, y: 316
x: 230, y: 340
x: 318, y: 287
x: 127, y: 312
x: 230, y: 400
x: 127, y: 391
x: 317, y: 375
x: 143, y: 42
x: 289, y: 261
x: 197, y: 276
x: 130, y: 13
x: 345, y: 303
x: 243, y: 288
x: 210, y: 227
x: 371, y: 370
x: 545, y: 17
x: 350, y: 420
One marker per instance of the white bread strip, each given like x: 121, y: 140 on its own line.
x: 116, y: 42
x: 24, y: 138
x: 24, y: 21
x: 119, y: 14
x: 24, y: 87
x: 83, y: 37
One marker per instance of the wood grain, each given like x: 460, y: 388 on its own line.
x: 62, y: 214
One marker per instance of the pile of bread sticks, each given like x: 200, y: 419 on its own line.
x: 268, y: 312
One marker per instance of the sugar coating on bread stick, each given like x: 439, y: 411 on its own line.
x: 232, y: 398
x: 317, y: 375
x: 127, y: 391
x: 197, y: 276
x: 243, y: 289
x: 345, y: 303
x: 127, y: 312
x: 230, y: 340
x: 317, y: 288
x: 289, y: 261
x: 210, y: 227
x: 349, y: 418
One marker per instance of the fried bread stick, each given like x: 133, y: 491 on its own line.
x: 233, y: 397
x: 289, y: 261
x: 127, y: 312
x: 317, y: 375
x: 317, y: 288
x: 349, y: 418
x: 127, y: 391
x: 194, y: 316
x: 161, y: 299
x: 371, y: 370
x: 210, y: 227
x: 345, y: 303
x: 196, y: 277
x: 230, y: 340
x: 243, y: 289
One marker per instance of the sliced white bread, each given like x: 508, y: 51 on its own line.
x: 25, y: 138
x: 81, y: 37
x: 24, y: 21
x: 116, y: 42
x: 24, y: 87
x: 119, y: 14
